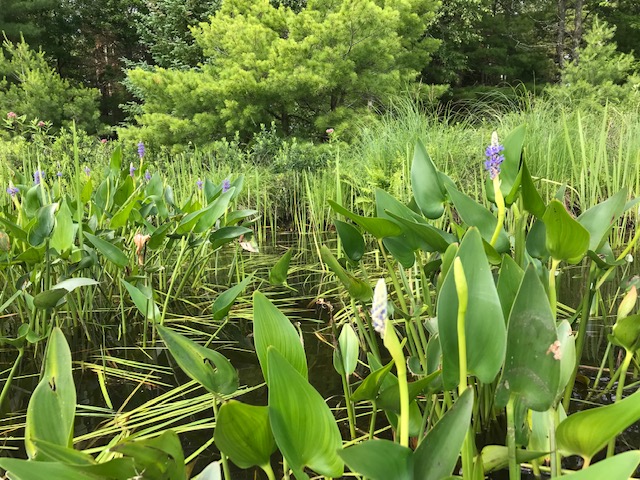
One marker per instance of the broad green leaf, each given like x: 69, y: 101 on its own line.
x: 271, y: 328
x: 16, y: 232
x: 143, y: 302
x: 64, y: 232
x: 225, y: 235
x: 370, y: 386
x: 121, y: 217
x: 402, y: 246
x: 159, y: 457
x: 484, y: 324
x: 496, y: 457
x: 585, y: 433
x: 213, y: 212
x: 278, y: 273
x: 626, y: 333
x: 510, y: 167
x: 158, y: 236
x: 32, y: 201
x: 109, y: 250
x: 566, y: 239
x: 345, y: 356
x: 437, y: 454
x: 52, y: 407
x: 378, y: 227
x: 428, y: 189
x: 380, y: 460
x: 302, y: 423
x: 244, y: 434
x: 357, y: 288
x: 536, y: 240
x: 238, y: 215
x: 209, y: 368
x: 430, y: 239
x: 599, y: 219
x: 226, y: 299
x: 531, y: 370
x: 115, y: 164
x: 619, y: 467
x: 116, y: 469
x: 52, y: 297
x: 63, y: 454
x: 352, y: 240
x: 531, y: 199
x: 475, y: 215
x: 45, y: 221
x: 509, y: 280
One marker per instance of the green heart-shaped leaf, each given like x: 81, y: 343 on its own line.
x: 428, y: 188
x: 302, y: 423
x: 209, y: 368
x: 586, y: 433
x: 532, y: 368
x: 244, y: 434
x: 565, y: 239
x: 271, y: 328
x: 484, y: 324
x: 52, y: 407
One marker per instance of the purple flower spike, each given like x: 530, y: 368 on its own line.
x: 59, y: 174
x: 87, y: 171
x: 13, y: 191
x: 141, y: 150
x: 199, y: 183
x: 38, y: 175
x: 132, y: 170
x: 226, y: 185
x: 494, y: 156
x: 147, y: 175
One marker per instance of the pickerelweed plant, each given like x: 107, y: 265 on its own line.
x: 468, y: 317
x: 74, y: 251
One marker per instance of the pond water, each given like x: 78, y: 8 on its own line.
x: 139, y: 379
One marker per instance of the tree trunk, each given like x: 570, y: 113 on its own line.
x: 562, y: 11
x: 577, y: 31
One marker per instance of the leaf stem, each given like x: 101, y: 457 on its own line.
x: 501, y: 210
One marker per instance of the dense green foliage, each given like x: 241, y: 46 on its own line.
x: 30, y: 87
x: 306, y: 71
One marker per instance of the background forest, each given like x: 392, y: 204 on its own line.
x: 185, y: 72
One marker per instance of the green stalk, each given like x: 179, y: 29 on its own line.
x: 556, y: 459
x: 223, y: 457
x: 7, y: 383
x: 269, y: 471
x: 173, y: 279
x: 553, y: 297
x: 462, y: 291
x: 514, y: 467
x: 501, y: 210
x: 623, y: 375
x: 349, y: 404
x: 395, y: 349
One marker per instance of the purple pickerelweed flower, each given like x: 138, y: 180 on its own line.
x: 199, y: 183
x: 132, y: 170
x: 13, y: 191
x: 494, y: 157
x: 38, y: 175
x: 226, y: 185
x: 87, y: 171
x: 147, y: 175
x: 141, y: 150
x: 59, y: 174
